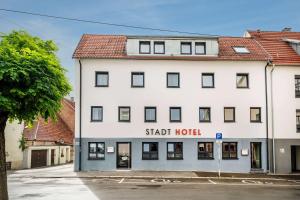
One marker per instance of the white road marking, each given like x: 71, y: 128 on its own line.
x: 212, y: 181
x: 121, y: 181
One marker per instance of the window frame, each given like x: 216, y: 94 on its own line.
x: 230, y: 157
x: 206, y: 158
x: 170, y: 118
x: 89, y: 152
x: 140, y: 43
x: 235, y: 49
x: 145, y: 118
x: 297, y: 92
x: 159, y: 42
x: 206, y: 121
x: 96, y: 78
x: 185, y: 43
x: 242, y: 74
x: 256, y: 121
x: 170, y: 158
x: 173, y: 73
x: 297, y: 126
x: 137, y: 73
x: 143, y: 158
x: 213, y: 80
x: 93, y: 120
x: 200, y: 43
x: 119, y: 116
x: 229, y: 121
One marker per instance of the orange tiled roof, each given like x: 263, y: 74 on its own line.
x: 281, y: 52
x: 54, y: 131
x: 114, y: 46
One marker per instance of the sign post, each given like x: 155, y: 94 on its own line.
x: 219, y: 141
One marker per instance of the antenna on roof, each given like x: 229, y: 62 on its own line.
x: 286, y: 29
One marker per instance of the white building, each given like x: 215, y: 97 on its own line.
x: 156, y: 103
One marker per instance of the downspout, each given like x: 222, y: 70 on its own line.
x: 80, y: 89
x: 267, y: 116
x: 272, y: 109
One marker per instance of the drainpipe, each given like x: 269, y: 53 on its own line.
x: 272, y: 112
x: 80, y: 82
x: 267, y: 116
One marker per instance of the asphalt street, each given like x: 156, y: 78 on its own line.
x: 32, y: 188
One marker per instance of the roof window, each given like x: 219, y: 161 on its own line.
x: 241, y: 50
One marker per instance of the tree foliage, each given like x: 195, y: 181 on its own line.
x: 32, y: 80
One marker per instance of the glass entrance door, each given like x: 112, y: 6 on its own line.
x: 255, y: 155
x: 124, y: 155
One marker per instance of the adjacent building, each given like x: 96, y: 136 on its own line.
x: 283, y: 78
x: 157, y: 102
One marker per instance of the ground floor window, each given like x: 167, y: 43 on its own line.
x: 96, y: 150
x: 150, y: 151
x: 205, y: 150
x: 229, y: 150
x: 175, y: 151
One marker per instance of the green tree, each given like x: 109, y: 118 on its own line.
x: 32, y: 84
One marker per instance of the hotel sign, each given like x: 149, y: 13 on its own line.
x: 174, y: 132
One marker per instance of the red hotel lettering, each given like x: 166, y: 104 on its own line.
x: 188, y: 132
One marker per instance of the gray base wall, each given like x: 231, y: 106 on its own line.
x: 190, y: 160
x: 283, y: 163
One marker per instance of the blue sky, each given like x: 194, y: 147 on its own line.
x: 220, y: 17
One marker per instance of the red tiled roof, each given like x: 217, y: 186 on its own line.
x: 53, y: 131
x: 113, y: 46
x: 281, y: 51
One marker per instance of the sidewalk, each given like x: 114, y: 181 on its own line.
x: 66, y: 171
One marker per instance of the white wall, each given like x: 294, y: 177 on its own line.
x: 284, y: 101
x: 13, y: 132
x: 189, y: 96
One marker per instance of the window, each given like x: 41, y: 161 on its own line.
x: 241, y: 50
x: 96, y: 150
x: 298, y: 121
x: 205, y: 150
x: 159, y: 47
x: 124, y: 114
x: 137, y: 79
x: 175, y: 114
x: 297, y: 86
x: 242, y: 81
x: 186, y: 48
x: 174, y: 151
x: 150, y: 151
x: 208, y: 80
x: 200, y: 48
x: 150, y: 114
x: 255, y: 115
x: 229, y: 114
x: 204, y: 114
x: 173, y: 80
x: 101, y: 79
x: 145, y: 47
x: 229, y: 150
x: 96, y: 113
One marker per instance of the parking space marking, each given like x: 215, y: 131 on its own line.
x: 121, y: 181
x: 212, y: 181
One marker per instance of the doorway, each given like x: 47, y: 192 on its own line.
x: 52, y: 156
x: 295, y: 158
x: 123, y: 155
x: 256, y: 155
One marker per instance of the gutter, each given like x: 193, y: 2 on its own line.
x: 80, y: 96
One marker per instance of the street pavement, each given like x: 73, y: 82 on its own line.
x: 46, y: 184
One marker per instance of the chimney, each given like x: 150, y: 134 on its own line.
x: 286, y: 29
x: 72, y: 99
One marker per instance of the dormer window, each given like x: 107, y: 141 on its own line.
x: 159, y: 47
x: 186, y: 48
x: 145, y: 47
x: 200, y: 48
x: 241, y: 50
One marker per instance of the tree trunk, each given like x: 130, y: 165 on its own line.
x: 3, y: 178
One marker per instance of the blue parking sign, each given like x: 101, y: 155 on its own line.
x: 219, y: 136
